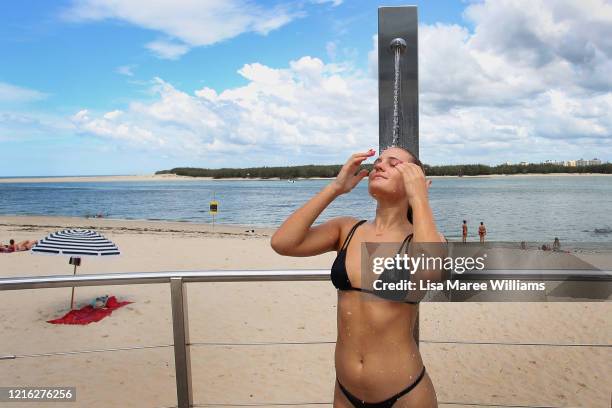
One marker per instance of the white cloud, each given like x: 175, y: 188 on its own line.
x: 321, y: 107
x: 16, y: 94
x: 167, y: 49
x: 187, y: 23
x: 484, y: 97
x: 107, y: 126
x: 333, y: 2
x: 532, y: 75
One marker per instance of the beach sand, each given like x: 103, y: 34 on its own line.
x: 537, y: 375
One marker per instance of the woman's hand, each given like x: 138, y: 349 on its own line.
x: 415, y: 184
x: 347, y: 179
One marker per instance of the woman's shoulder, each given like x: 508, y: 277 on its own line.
x: 347, y: 222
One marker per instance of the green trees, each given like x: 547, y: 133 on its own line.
x: 312, y: 170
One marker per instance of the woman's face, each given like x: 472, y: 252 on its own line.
x: 384, y: 179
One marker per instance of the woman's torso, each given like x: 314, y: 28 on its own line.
x: 376, y: 354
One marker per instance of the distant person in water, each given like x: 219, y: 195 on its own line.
x: 464, y: 231
x: 523, y: 245
x: 556, y: 245
x: 482, y: 232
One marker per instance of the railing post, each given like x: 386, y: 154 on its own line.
x: 180, y: 328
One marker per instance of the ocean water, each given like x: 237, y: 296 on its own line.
x: 512, y: 208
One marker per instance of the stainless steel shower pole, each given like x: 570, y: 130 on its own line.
x: 398, y: 84
x: 398, y: 78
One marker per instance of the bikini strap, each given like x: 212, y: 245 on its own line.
x: 350, y: 235
x: 407, y: 239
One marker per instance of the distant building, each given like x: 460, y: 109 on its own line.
x: 581, y: 162
x: 558, y: 163
x: 566, y: 163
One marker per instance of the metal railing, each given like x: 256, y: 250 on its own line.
x: 180, y: 324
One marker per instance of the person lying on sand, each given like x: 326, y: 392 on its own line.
x: 16, y: 247
x: 25, y: 245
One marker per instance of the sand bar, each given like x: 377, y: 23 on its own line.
x: 174, y: 177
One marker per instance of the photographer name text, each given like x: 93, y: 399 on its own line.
x: 492, y: 284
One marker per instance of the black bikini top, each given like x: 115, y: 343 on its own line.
x: 341, y: 281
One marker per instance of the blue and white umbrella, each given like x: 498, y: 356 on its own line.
x: 75, y: 243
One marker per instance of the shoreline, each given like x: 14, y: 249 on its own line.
x: 174, y: 177
x: 33, y: 222
x: 121, y: 225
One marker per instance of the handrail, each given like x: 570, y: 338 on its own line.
x: 135, y: 278
x: 276, y: 275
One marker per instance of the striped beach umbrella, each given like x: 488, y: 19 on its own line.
x: 75, y: 243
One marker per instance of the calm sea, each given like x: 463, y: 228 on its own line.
x: 512, y: 208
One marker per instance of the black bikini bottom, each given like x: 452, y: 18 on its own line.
x: 388, y: 403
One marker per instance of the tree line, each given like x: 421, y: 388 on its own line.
x: 292, y: 172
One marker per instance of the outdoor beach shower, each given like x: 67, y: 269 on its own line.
x: 398, y: 78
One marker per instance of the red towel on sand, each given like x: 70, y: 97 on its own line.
x: 88, y: 314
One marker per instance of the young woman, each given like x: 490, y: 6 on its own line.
x: 377, y: 360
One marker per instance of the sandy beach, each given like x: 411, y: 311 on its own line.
x: 551, y: 373
x: 174, y: 177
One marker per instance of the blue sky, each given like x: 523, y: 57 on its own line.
x: 92, y: 87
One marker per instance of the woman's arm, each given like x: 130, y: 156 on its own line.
x: 418, y: 197
x: 297, y: 237
x: 426, y: 238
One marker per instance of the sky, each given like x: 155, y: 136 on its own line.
x: 93, y: 87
